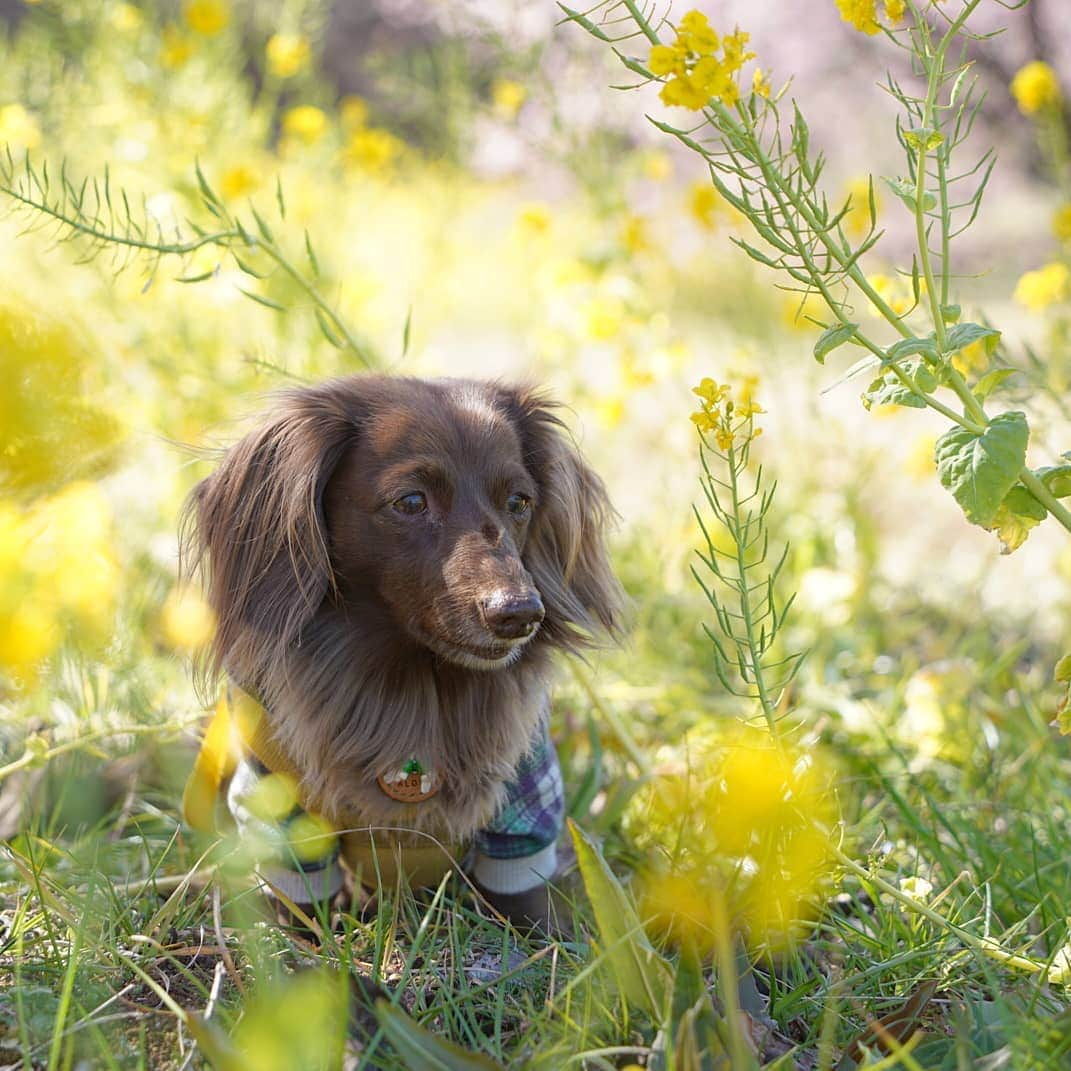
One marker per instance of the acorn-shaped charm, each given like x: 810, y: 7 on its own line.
x: 411, y: 784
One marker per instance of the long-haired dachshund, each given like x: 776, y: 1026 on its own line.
x: 392, y: 563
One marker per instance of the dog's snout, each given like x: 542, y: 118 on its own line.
x: 512, y: 615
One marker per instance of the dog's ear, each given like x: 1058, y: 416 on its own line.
x: 566, y: 547
x: 255, y: 526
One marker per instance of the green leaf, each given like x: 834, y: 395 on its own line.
x: 923, y: 138
x: 962, y: 335
x: 831, y: 338
x: 1056, y: 478
x: 950, y: 314
x: 990, y: 381
x: 1062, y: 672
x: 643, y: 976
x: 910, y: 347
x: 1017, y: 514
x: 889, y: 390
x: 261, y: 300
x: 906, y: 192
x: 979, y: 470
x: 420, y: 1048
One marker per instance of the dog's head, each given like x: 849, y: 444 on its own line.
x: 458, y: 514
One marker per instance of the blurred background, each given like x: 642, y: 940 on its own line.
x: 481, y: 203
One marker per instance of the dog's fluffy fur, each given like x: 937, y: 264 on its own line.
x: 361, y: 627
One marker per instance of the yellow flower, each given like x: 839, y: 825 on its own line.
x: 861, y: 14
x: 634, y: 234
x: 665, y: 60
x: 207, y: 17
x: 507, y: 97
x: 1046, y: 286
x: 856, y: 221
x: 534, y: 218
x: 895, y: 9
x: 28, y: 634
x: 186, y: 620
x: 176, y: 48
x: 18, y: 128
x: 237, y: 181
x: 353, y: 112
x: 287, y: 54
x: 306, y: 123
x: 696, y: 34
x: 972, y: 359
x: 1061, y: 223
x: 733, y: 48
x: 1035, y: 87
x: 760, y: 84
x: 703, y: 203
x: 373, y: 149
x: 724, y: 437
x: 604, y: 317
x: 657, y: 166
x: 126, y: 18
x: 710, y: 392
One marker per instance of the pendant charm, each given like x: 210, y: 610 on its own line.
x: 411, y: 784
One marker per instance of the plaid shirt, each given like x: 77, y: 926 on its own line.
x: 305, y: 857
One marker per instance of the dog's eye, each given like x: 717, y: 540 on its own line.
x: 518, y: 504
x: 411, y: 504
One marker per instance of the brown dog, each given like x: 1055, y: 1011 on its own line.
x: 392, y: 563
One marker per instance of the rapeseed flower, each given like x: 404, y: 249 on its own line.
x: 507, y: 97
x: 176, y: 48
x: 863, y: 14
x: 238, y: 180
x: 287, y: 54
x: 186, y: 620
x: 703, y: 203
x: 696, y: 73
x: 18, y: 128
x: 372, y: 149
x: 727, y: 420
x: 743, y: 831
x: 207, y: 17
x: 1035, y: 88
x: 1045, y: 286
x: 306, y: 123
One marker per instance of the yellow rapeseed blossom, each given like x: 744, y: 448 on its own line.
x: 186, y: 620
x: 126, y: 18
x: 238, y: 180
x: 353, y: 112
x: 856, y: 221
x: 176, y: 49
x: 657, y: 166
x: 29, y: 633
x: 727, y: 420
x: 1046, y: 286
x: 742, y: 835
x: 860, y: 14
x: 207, y: 17
x: 695, y: 73
x: 534, y: 218
x: 287, y: 54
x: 633, y: 234
x: 972, y: 359
x: 373, y: 149
x: 1035, y: 87
x: 306, y: 123
x: 760, y: 83
x: 703, y: 203
x: 18, y: 128
x: 507, y: 97
x: 1061, y: 223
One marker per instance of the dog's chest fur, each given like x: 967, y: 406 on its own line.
x: 346, y: 719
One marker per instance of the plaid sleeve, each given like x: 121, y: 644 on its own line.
x: 533, y: 815
x: 297, y: 852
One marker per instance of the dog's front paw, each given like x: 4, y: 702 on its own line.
x: 540, y: 910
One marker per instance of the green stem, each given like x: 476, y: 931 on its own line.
x: 769, y: 708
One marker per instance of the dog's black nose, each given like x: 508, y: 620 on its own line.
x: 512, y: 616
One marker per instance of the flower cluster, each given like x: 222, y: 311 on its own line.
x: 863, y: 14
x: 1045, y: 286
x: 695, y: 71
x: 743, y: 831
x: 727, y: 420
x: 1036, y: 88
